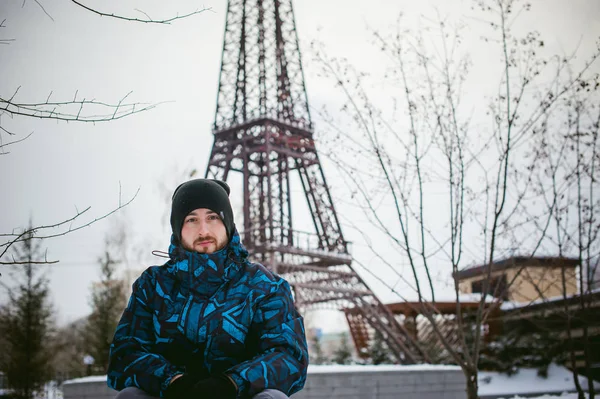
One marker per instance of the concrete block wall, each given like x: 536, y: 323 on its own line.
x: 88, y: 388
x: 337, y: 382
x: 384, y: 382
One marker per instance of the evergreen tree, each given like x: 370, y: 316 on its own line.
x: 343, y: 354
x: 108, y: 301
x: 69, y: 350
x: 378, y: 351
x: 523, y: 346
x: 26, y: 324
x: 319, y: 356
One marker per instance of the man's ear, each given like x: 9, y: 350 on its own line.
x: 223, y: 184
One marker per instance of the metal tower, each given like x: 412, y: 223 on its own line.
x: 263, y: 130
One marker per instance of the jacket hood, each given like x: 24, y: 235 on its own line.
x: 204, y: 273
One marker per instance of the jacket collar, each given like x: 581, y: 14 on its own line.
x: 206, y: 272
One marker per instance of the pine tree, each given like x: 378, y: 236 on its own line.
x: 525, y: 346
x: 319, y: 356
x: 26, y: 324
x: 378, y: 352
x: 343, y: 354
x: 108, y: 301
x: 69, y: 351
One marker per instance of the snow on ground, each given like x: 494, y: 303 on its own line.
x: 563, y: 396
x: 92, y: 378
x: 527, y: 382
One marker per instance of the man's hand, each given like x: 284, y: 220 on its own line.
x: 180, y: 387
x: 215, y: 387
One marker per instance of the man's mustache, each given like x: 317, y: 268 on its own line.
x: 205, y: 238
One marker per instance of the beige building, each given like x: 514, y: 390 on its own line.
x: 522, y: 279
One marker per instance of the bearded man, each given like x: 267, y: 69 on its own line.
x: 208, y: 323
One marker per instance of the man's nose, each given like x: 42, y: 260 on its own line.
x: 203, y: 228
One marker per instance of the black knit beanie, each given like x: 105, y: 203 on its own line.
x: 201, y: 193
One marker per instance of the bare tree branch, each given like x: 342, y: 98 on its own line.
x: 2, y: 145
x: 53, y: 110
x: 34, y: 233
x: 43, y: 9
x: 42, y: 262
x: 166, y: 21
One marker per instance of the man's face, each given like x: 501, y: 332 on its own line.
x: 203, y: 231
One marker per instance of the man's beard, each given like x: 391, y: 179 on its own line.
x: 205, y: 244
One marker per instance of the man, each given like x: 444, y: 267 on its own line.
x: 208, y: 323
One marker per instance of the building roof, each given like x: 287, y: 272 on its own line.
x: 558, y: 302
x: 518, y: 261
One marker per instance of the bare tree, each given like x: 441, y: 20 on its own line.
x: 76, y: 109
x: 80, y: 110
x: 41, y: 232
x: 568, y: 152
x: 445, y: 184
x: 146, y: 20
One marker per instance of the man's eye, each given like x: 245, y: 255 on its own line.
x: 213, y: 217
x: 190, y: 220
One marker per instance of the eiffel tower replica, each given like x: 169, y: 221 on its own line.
x: 263, y: 129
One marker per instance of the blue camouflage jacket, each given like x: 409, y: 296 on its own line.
x: 206, y: 314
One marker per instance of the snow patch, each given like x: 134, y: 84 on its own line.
x: 462, y: 298
x: 83, y: 380
x: 562, y: 396
x: 517, y: 305
x: 527, y: 382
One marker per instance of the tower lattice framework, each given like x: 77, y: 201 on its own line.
x: 263, y: 129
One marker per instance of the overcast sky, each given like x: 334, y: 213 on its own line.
x: 64, y: 167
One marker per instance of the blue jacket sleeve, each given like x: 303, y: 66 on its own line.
x: 282, y: 358
x: 132, y: 362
